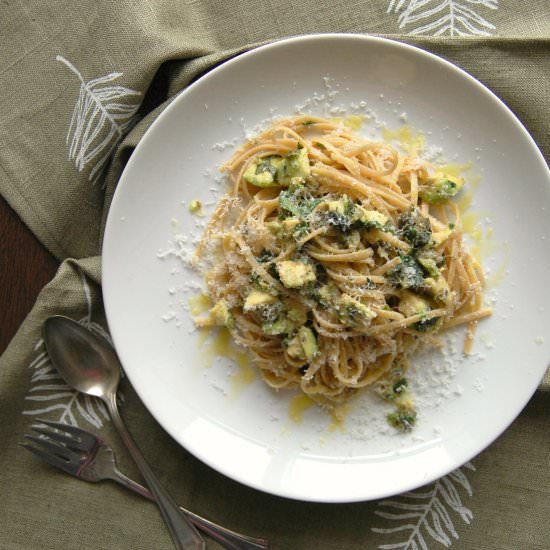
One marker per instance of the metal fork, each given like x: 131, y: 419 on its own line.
x: 87, y: 456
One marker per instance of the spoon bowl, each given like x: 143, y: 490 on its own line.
x: 81, y: 357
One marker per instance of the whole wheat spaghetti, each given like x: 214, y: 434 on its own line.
x: 333, y: 258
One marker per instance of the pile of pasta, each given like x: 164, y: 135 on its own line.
x: 333, y: 258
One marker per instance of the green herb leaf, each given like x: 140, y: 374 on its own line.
x: 403, y: 420
x: 415, y: 228
x: 407, y: 274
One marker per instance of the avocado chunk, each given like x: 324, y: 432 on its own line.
x: 440, y: 188
x: 295, y: 274
x: 429, y: 265
x: 341, y: 213
x: 303, y: 345
x: 410, y: 304
x: 371, y: 219
x: 285, y: 324
x: 256, y: 299
x: 295, y: 349
x: 220, y: 315
x: 294, y: 165
x: 275, y: 170
x: 352, y: 312
x: 328, y: 294
x: 263, y: 171
x: 309, y: 342
x: 279, y: 318
x: 343, y: 206
x: 438, y: 289
x: 282, y: 325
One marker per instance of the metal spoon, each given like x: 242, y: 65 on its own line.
x: 90, y: 365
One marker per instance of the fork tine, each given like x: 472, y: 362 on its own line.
x: 62, y: 437
x: 56, y: 436
x: 60, y: 451
x: 51, y: 459
x: 69, y: 428
x: 87, y: 438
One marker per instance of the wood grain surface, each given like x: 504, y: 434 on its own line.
x: 25, y: 268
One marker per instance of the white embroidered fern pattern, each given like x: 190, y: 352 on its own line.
x: 49, y: 393
x: 443, y: 17
x: 429, y: 509
x: 103, y: 114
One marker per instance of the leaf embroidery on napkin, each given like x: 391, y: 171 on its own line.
x: 444, y: 17
x: 50, y: 394
x: 103, y: 114
x: 426, y: 512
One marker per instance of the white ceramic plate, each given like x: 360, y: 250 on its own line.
x: 245, y: 430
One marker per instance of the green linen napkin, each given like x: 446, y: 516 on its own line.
x: 52, y: 55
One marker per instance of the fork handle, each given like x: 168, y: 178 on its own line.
x: 184, y: 535
x: 228, y: 538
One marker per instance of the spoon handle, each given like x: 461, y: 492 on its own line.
x: 184, y: 535
x: 226, y: 537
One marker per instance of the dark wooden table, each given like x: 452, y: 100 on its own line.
x: 26, y: 267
